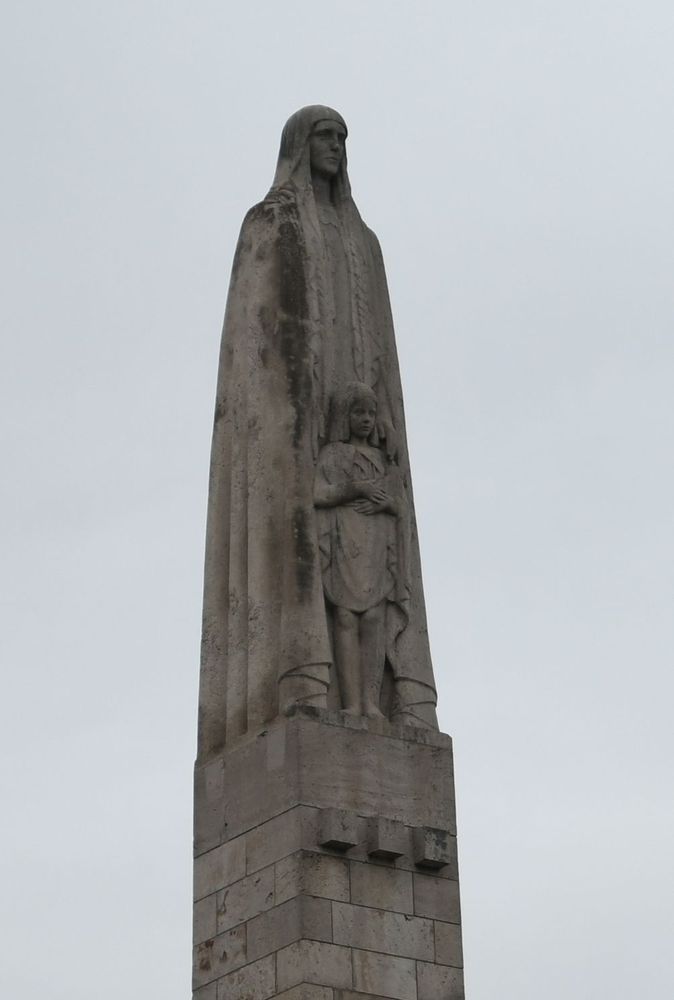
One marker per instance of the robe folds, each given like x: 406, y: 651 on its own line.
x: 265, y: 641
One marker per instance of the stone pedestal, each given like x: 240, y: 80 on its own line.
x: 325, y: 864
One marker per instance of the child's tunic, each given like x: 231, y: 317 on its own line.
x: 358, y: 551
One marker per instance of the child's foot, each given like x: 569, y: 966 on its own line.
x: 351, y: 710
x: 373, y: 711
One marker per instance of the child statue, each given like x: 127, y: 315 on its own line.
x: 359, y: 501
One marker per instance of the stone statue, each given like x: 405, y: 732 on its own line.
x: 360, y: 502
x: 307, y: 317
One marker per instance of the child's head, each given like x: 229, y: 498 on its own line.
x: 362, y: 413
x: 354, y: 413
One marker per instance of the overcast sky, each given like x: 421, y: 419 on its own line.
x: 516, y: 160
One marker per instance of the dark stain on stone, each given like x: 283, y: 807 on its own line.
x: 302, y: 529
x: 292, y: 321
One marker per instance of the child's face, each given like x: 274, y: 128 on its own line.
x: 362, y: 417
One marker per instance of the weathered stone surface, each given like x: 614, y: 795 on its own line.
x: 307, y: 991
x: 384, y: 887
x: 339, y: 829
x: 313, y: 962
x: 274, y: 840
x: 245, y: 899
x: 209, y: 796
x: 209, y: 992
x: 439, y: 982
x: 307, y: 271
x: 350, y: 995
x: 386, y: 838
x: 381, y: 930
x: 384, y: 975
x: 432, y: 847
x: 205, y: 919
x: 300, y: 918
x: 437, y: 898
x: 218, y: 956
x: 219, y: 867
x: 369, y: 774
x: 448, y: 948
x: 256, y: 981
x: 313, y: 874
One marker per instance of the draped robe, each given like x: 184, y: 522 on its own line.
x: 307, y: 310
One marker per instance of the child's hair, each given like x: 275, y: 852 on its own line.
x: 340, y: 409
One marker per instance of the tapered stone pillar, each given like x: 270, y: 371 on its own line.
x: 326, y: 864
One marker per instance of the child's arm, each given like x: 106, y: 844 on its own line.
x: 335, y: 494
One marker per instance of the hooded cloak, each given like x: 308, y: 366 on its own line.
x: 307, y: 313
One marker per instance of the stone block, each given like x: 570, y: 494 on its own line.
x: 448, y: 948
x: 381, y: 930
x: 274, y: 840
x: 431, y: 847
x: 350, y: 995
x: 313, y: 874
x: 338, y: 829
x: 219, y: 867
x: 437, y: 898
x: 386, y: 838
x: 205, y: 924
x: 383, y: 887
x: 439, y: 982
x: 209, y: 992
x: 385, y: 976
x: 256, y: 981
x: 314, y: 962
x: 307, y: 991
x: 209, y: 793
x: 369, y: 771
x: 218, y: 956
x: 301, y: 917
x: 245, y: 899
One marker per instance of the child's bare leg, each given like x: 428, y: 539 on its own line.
x: 347, y: 659
x: 373, y: 655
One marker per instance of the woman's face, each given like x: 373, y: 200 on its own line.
x: 326, y: 148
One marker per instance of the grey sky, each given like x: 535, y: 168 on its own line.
x: 516, y: 161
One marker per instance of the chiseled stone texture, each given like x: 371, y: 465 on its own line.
x: 220, y: 867
x: 256, y: 981
x: 307, y: 991
x: 385, y: 976
x: 439, y: 982
x: 209, y: 992
x: 245, y: 899
x: 313, y: 962
x: 313, y: 874
x: 381, y: 930
x: 218, y: 956
x: 303, y: 917
x: 374, y: 769
x: 448, y: 947
x: 384, y: 887
x: 277, y: 915
x: 350, y: 995
x: 205, y: 919
x: 437, y: 898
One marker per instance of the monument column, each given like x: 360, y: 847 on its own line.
x: 326, y: 864
x: 325, y: 861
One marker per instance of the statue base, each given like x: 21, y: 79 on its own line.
x: 325, y: 864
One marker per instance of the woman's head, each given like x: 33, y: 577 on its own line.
x: 313, y: 138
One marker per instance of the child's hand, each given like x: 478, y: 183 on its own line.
x: 372, y: 491
x: 379, y: 503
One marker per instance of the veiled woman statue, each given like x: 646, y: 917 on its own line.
x: 308, y: 314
